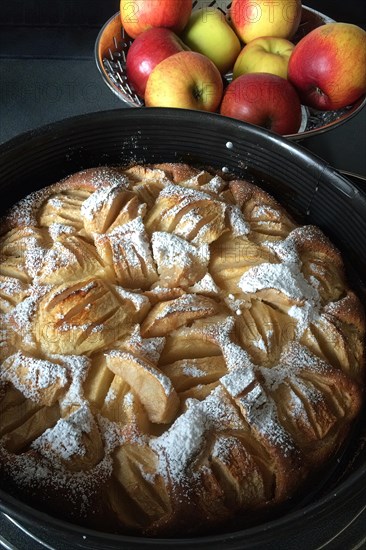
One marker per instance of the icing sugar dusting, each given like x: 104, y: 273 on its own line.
x: 65, y: 439
x: 285, y: 278
x: 178, y: 447
x: 31, y: 375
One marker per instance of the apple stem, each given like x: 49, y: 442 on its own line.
x: 197, y: 93
x: 267, y: 123
x: 319, y: 91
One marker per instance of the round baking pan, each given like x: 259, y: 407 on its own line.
x: 310, y: 189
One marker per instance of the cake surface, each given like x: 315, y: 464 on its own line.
x: 175, y: 350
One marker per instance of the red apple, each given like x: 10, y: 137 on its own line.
x: 328, y: 66
x: 263, y: 99
x: 186, y: 80
x: 139, y: 15
x: 254, y: 19
x: 149, y: 48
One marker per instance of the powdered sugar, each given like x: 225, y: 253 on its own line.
x: 103, y: 197
x: 23, y: 315
x: 130, y: 248
x: 173, y: 252
x: 150, y: 348
x: 239, y: 226
x: 191, y: 370
x: 206, y: 285
x: 11, y: 286
x: 57, y: 230
x: 287, y: 278
x: 178, y: 447
x: 260, y: 411
x: 65, y: 439
x: 139, y: 301
x: 58, y: 257
x: 31, y: 375
x: 35, y: 255
x: 77, y: 367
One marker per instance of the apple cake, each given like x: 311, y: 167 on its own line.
x: 175, y: 350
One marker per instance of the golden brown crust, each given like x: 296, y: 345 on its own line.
x: 175, y: 350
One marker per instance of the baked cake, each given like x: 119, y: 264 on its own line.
x: 175, y: 350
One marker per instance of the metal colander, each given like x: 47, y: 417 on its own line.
x: 113, y: 43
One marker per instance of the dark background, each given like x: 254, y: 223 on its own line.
x: 47, y: 70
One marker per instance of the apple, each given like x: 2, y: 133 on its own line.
x: 186, y: 80
x: 139, y: 15
x: 263, y: 99
x: 146, y: 51
x: 254, y: 19
x: 209, y: 33
x: 328, y: 66
x: 264, y: 55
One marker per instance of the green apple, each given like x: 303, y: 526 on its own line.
x: 264, y: 55
x: 209, y: 33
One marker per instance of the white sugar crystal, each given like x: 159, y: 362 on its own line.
x: 102, y: 197
x: 239, y: 226
x: 260, y: 344
x: 238, y: 379
x: 215, y: 185
x: 139, y: 301
x: 180, y: 444
x: 151, y: 348
x: 31, y: 375
x: 35, y: 255
x: 205, y: 286
x: 77, y: 367
x: 190, y: 369
x: 11, y: 286
x: 171, y: 251
x: 65, y: 439
x: 111, y: 396
x: 286, y: 278
x: 57, y: 230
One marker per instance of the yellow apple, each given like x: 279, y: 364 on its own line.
x: 209, y: 33
x: 253, y: 19
x: 264, y: 55
x: 185, y: 80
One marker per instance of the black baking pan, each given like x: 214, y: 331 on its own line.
x: 310, y: 189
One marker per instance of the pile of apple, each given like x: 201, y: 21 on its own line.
x: 179, y: 58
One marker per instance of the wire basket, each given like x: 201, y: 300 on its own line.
x: 113, y: 43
